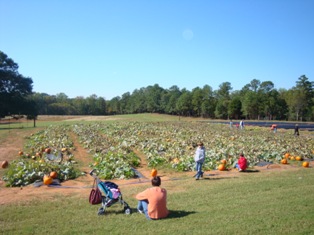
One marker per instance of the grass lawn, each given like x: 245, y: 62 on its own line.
x: 272, y: 202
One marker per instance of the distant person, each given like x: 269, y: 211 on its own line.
x: 231, y: 124
x: 242, y: 163
x: 199, y: 158
x: 153, y: 201
x: 274, y: 128
x: 242, y: 124
x: 296, y: 130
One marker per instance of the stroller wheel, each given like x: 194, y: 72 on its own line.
x: 127, y: 210
x: 101, y: 211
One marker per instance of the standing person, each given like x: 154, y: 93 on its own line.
x: 199, y: 158
x: 241, y: 124
x: 296, y: 130
x: 231, y: 124
x: 242, y: 163
x: 274, y: 128
x: 153, y: 201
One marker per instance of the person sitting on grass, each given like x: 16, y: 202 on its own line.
x: 242, y: 163
x: 153, y: 201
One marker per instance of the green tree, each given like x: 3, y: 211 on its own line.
x: 197, y: 100
x: 153, y: 98
x: 184, y: 105
x: 306, y: 90
x: 14, y: 88
x: 174, y: 94
x: 299, y: 100
x: 235, y: 106
x: 209, y: 102
x: 250, y: 105
x: 223, y: 99
x: 113, y: 106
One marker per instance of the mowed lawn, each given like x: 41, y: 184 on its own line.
x: 268, y: 202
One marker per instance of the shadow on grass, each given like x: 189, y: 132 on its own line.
x: 172, y: 213
x: 178, y: 214
x: 218, y: 178
x: 249, y: 171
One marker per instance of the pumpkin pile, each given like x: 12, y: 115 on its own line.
x: 222, y: 165
x: 48, y: 178
x: 288, y: 156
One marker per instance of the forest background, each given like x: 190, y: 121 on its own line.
x: 257, y: 100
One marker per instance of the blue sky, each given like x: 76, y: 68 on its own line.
x: 108, y: 48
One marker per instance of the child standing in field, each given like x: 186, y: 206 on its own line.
x: 242, y: 163
x: 199, y: 158
x: 296, y: 130
x: 242, y: 124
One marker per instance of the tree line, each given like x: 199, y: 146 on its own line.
x: 256, y: 100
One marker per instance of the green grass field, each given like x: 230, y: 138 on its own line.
x: 269, y: 202
x: 275, y: 202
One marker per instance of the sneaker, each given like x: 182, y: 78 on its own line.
x: 196, y: 178
x: 140, y: 211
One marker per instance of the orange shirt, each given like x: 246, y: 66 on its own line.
x: 157, y: 202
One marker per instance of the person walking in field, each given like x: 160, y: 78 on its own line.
x: 296, y: 130
x: 242, y: 124
x: 199, y: 158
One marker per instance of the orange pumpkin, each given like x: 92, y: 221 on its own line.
x: 292, y: 158
x: 153, y: 173
x: 53, y: 174
x: 4, y: 164
x: 305, y: 164
x: 48, y: 150
x: 287, y: 155
x: 20, y: 153
x: 222, y: 167
x: 284, y: 161
x: 38, y: 154
x: 298, y: 158
x: 47, y: 179
x: 223, y: 161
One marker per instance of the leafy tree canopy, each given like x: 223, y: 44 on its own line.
x: 14, y: 89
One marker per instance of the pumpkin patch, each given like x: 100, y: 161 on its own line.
x: 113, y: 148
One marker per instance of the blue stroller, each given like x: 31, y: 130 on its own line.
x: 110, y: 195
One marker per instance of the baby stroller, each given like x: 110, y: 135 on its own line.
x: 110, y: 195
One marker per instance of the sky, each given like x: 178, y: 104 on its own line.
x: 108, y: 48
